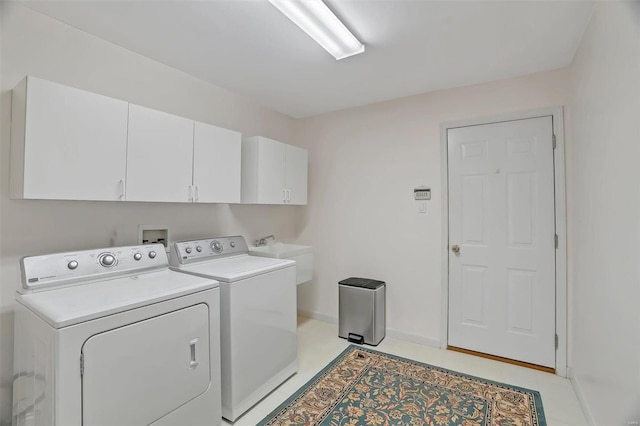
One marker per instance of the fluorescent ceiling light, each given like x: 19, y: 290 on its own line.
x: 315, y: 19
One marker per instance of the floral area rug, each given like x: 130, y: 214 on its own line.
x: 366, y: 387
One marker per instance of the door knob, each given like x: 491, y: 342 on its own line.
x: 455, y: 248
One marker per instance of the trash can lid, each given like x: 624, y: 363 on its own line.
x: 362, y: 282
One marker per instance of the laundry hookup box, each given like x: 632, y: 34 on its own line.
x: 361, y: 310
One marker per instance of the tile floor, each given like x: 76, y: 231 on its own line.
x: 318, y: 344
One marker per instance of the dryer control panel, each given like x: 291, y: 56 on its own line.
x: 185, y: 252
x: 61, y: 269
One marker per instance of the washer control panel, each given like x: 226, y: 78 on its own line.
x: 43, y: 272
x: 183, y: 252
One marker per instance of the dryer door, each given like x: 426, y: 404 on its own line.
x: 135, y: 374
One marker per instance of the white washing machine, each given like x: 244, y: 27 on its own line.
x: 113, y: 337
x: 257, y: 316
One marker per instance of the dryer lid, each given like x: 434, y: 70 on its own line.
x: 72, y: 305
x: 137, y: 374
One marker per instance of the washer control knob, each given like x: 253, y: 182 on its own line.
x: 232, y: 244
x: 152, y: 255
x: 107, y: 260
x: 216, y: 246
x: 188, y: 250
x: 72, y: 265
x: 198, y: 249
x: 137, y: 256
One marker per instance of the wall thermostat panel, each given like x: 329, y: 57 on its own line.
x: 422, y: 193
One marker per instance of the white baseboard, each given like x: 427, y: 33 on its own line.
x: 317, y: 316
x: 581, y: 399
x: 413, y: 338
x: 396, y: 334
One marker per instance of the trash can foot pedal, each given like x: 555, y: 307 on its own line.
x: 355, y: 338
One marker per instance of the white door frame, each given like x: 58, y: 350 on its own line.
x: 560, y: 214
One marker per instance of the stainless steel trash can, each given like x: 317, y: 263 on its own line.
x: 361, y: 310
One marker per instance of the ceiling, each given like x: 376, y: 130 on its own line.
x: 412, y: 46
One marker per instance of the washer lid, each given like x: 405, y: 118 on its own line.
x: 236, y: 268
x: 72, y: 305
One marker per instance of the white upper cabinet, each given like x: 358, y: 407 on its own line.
x: 296, y: 160
x: 159, y: 156
x: 273, y: 172
x: 69, y: 144
x: 216, y: 164
x: 66, y: 143
x: 269, y: 160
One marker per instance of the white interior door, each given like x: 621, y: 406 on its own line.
x: 136, y: 374
x: 501, y: 217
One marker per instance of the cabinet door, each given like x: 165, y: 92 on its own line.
x: 73, y: 143
x: 159, y: 156
x: 271, y: 173
x: 216, y: 164
x: 296, y: 175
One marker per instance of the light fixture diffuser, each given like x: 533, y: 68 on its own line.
x: 315, y: 19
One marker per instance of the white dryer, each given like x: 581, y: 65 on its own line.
x: 113, y: 337
x: 257, y: 316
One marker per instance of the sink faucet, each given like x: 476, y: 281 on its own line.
x: 263, y: 241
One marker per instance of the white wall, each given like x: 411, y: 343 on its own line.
x: 35, y: 44
x: 364, y: 163
x: 604, y: 213
x: 362, y: 219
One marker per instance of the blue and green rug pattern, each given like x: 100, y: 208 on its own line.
x: 366, y: 387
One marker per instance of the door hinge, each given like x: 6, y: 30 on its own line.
x: 553, y: 138
x: 556, y: 341
x: 556, y: 240
x: 81, y: 365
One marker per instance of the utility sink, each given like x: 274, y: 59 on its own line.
x: 303, y: 255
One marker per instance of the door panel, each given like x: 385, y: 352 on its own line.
x: 519, y: 291
x: 501, y: 214
x: 521, y: 191
x: 139, y: 373
x: 473, y: 285
x: 474, y: 223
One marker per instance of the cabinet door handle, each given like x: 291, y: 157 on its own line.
x: 190, y: 193
x: 288, y: 195
x: 192, y: 349
x: 197, y: 194
x: 122, y: 194
x: 284, y: 195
